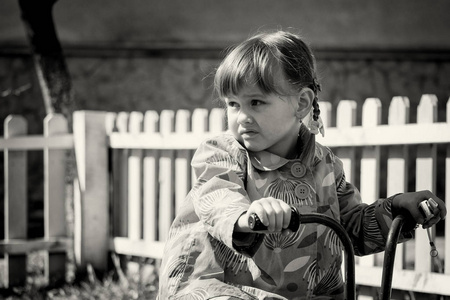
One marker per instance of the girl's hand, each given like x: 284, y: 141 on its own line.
x: 410, y: 202
x: 273, y: 213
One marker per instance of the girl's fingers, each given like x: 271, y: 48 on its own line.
x: 437, y: 208
x: 286, y: 216
x: 431, y: 222
x: 269, y: 214
x: 273, y: 213
x: 438, y: 201
x: 282, y: 213
x: 276, y: 214
x: 441, y: 207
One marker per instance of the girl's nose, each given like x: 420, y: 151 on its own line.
x: 244, y: 117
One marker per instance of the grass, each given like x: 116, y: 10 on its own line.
x: 140, y: 281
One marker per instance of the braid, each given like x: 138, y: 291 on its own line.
x: 316, y: 88
x: 316, y: 110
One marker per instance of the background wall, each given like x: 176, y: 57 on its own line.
x: 143, y: 55
x: 326, y: 23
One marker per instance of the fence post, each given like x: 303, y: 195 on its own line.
x: 166, y: 178
x: 200, y: 126
x: 150, y: 180
x: 15, y: 200
x: 91, y: 232
x: 120, y: 180
x: 54, y: 197
x: 426, y: 165
x: 217, y: 120
x: 398, y: 163
x: 370, y: 162
x: 182, y: 159
x: 346, y: 118
x: 135, y: 180
x: 325, y: 113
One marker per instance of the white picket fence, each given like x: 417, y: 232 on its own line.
x: 137, y: 167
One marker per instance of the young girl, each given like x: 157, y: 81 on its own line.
x: 265, y: 163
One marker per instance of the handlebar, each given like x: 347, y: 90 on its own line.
x: 297, y: 219
x: 346, y: 242
x: 389, y: 256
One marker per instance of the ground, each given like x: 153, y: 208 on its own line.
x: 139, y: 282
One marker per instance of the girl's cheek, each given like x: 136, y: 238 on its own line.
x: 233, y: 126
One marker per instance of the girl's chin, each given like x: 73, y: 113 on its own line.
x: 252, y: 147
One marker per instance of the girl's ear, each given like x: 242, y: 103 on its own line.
x: 304, y: 103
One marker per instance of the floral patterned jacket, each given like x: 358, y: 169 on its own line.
x: 203, y: 259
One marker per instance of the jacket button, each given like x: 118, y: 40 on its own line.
x: 298, y: 170
x: 302, y: 191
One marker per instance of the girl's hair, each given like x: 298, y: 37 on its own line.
x: 256, y: 60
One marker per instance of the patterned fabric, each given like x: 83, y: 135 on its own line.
x: 205, y: 260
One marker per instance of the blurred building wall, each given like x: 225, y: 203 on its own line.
x: 139, y: 55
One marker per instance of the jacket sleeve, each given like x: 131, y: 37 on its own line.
x: 367, y: 225
x: 219, y: 196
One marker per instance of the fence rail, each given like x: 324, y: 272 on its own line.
x: 137, y: 167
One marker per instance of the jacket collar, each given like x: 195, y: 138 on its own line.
x: 307, y: 153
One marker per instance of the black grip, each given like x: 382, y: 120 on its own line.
x: 255, y: 223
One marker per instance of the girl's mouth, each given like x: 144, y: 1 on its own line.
x: 249, y: 134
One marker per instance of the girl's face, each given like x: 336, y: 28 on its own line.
x: 264, y: 121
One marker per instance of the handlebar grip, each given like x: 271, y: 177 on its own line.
x: 255, y: 223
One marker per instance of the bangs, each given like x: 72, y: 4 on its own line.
x: 251, y: 63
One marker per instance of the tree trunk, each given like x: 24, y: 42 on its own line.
x: 54, y: 81
x: 52, y: 73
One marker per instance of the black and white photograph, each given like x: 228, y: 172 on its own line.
x: 226, y: 150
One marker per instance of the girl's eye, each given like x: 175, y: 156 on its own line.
x: 232, y: 104
x: 256, y: 102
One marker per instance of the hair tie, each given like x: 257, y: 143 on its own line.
x: 315, y: 126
